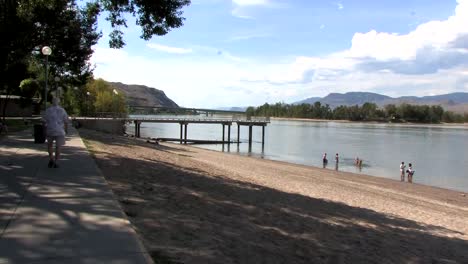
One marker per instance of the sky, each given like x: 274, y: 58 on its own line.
x: 251, y: 52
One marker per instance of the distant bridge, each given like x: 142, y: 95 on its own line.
x: 185, y: 110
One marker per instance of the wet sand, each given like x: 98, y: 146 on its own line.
x: 194, y: 205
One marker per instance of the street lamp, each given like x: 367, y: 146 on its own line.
x: 46, y: 51
x: 87, y: 103
x: 115, y: 108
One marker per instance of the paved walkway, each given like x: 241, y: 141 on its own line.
x: 64, y: 215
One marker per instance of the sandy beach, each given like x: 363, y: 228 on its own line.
x: 192, y: 205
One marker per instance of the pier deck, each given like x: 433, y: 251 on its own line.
x: 184, y: 122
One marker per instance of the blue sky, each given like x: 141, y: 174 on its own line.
x: 248, y: 52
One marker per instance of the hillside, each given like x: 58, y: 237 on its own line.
x: 454, y: 101
x: 141, y: 95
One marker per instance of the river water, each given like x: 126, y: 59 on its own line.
x: 439, y: 154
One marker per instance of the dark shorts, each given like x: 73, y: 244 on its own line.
x: 59, y: 140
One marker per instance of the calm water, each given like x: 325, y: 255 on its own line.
x: 439, y: 154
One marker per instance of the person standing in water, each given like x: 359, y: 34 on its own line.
x: 324, y: 160
x: 410, y: 173
x: 337, y: 159
x: 402, y: 171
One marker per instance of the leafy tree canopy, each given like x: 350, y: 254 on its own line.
x: 366, y: 112
x: 154, y: 17
x: 70, y: 29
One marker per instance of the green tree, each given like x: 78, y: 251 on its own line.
x: 340, y: 113
x: 250, y: 111
x: 71, y: 30
x: 156, y: 18
x: 103, y: 100
x: 369, y: 111
x: 391, y: 112
x: 30, y: 25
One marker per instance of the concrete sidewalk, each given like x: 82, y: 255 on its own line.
x: 63, y: 215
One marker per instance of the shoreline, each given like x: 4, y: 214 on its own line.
x: 396, y: 179
x: 195, y: 205
x: 407, y: 124
x: 347, y: 173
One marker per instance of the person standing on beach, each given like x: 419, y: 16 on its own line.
x: 402, y: 171
x: 410, y: 173
x: 56, y: 122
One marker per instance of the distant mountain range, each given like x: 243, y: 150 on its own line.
x: 234, y: 108
x: 141, y: 95
x: 449, y: 101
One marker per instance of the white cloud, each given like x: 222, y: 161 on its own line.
x: 240, y: 13
x: 244, y: 8
x: 432, y: 59
x: 339, y: 5
x: 248, y: 36
x: 436, y: 34
x: 250, y: 2
x: 168, y: 49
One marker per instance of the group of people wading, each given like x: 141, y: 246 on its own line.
x: 409, y: 171
x: 358, y: 163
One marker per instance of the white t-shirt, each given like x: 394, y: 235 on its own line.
x: 55, y: 117
x: 402, y: 167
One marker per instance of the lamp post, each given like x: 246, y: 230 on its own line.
x: 113, y: 99
x: 87, y: 103
x: 46, y: 51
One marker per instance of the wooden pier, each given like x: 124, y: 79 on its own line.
x: 184, y: 122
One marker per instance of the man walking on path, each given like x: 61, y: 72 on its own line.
x: 56, y: 122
